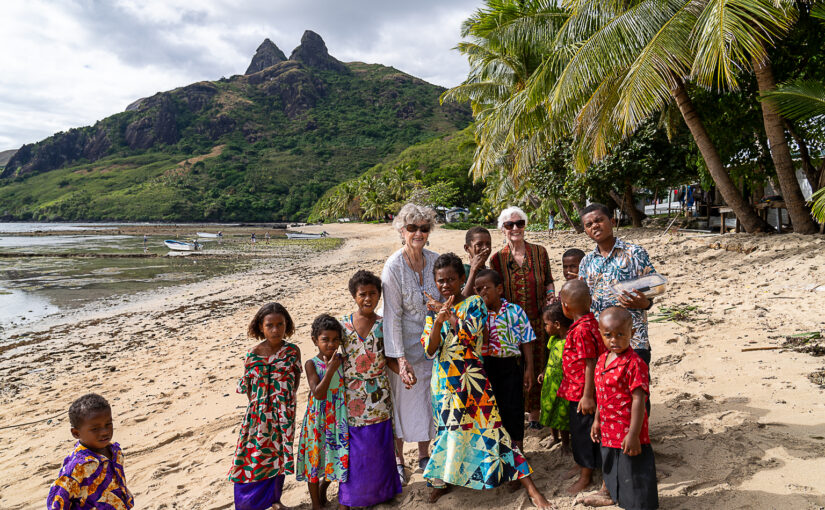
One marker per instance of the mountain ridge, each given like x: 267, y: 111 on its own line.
x: 305, y: 124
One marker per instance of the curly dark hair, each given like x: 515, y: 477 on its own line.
x: 573, y: 252
x: 364, y: 278
x: 554, y: 313
x: 326, y: 322
x: 86, y: 406
x: 492, y: 274
x: 449, y: 259
x: 474, y: 231
x: 596, y: 207
x: 255, y: 329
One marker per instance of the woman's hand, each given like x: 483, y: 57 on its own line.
x: 406, y: 372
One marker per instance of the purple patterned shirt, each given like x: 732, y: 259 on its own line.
x: 90, y: 481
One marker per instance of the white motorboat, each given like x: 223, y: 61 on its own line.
x: 208, y: 235
x: 181, y: 245
x: 305, y: 235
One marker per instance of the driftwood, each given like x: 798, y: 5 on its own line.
x: 763, y: 348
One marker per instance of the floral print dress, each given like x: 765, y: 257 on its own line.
x: 323, y: 450
x: 472, y: 448
x: 264, y: 447
x: 367, y: 386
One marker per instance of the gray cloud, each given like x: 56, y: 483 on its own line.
x: 88, y: 59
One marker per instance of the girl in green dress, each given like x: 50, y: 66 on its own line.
x: 554, y: 408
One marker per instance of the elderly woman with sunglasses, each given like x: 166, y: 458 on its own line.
x: 408, y: 284
x: 528, y: 282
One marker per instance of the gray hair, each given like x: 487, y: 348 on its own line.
x: 412, y: 213
x: 505, y: 215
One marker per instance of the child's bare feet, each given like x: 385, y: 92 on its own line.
x: 573, y: 471
x: 279, y: 506
x: 541, y: 502
x: 582, y: 483
x: 435, y: 494
x: 600, y: 498
x: 538, y: 499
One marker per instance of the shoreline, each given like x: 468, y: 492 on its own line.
x: 730, y: 429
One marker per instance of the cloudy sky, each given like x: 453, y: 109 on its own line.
x: 68, y: 63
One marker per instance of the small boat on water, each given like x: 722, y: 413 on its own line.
x: 208, y: 235
x: 305, y: 235
x: 182, y: 245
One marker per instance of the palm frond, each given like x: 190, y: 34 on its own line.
x: 798, y: 99
x: 732, y: 34
x: 818, y: 205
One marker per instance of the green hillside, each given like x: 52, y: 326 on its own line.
x: 258, y: 147
x: 433, y: 172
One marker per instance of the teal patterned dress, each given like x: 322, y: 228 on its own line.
x: 471, y: 448
x: 323, y: 450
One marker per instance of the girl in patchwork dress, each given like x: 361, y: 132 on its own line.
x: 372, y: 477
x: 272, y: 372
x: 323, y: 450
x: 471, y: 447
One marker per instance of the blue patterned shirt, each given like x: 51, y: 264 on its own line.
x: 509, y: 327
x: 626, y: 261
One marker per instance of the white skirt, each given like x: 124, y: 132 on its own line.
x: 412, y: 408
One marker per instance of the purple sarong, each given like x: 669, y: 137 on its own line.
x: 259, y: 495
x: 373, y: 477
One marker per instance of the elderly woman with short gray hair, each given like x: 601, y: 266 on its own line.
x: 408, y: 284
x: 528, y: 282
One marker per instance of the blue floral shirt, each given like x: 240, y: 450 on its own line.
x: 626, y: 261
x: 509, y: 327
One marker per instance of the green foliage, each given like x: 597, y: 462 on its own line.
x: 432, y: 173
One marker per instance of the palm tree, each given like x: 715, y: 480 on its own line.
x: 625, y: 64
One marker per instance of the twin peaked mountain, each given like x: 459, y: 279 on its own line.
x: 255, y: 147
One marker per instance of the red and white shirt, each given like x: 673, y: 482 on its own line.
x: 583, y: 342
x: 614, y: 394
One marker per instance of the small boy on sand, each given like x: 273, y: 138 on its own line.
x: 478, y: 244
x: 509, y: 335
x: 581, y: 349
x: 92, y: 475
x: 622, y: 386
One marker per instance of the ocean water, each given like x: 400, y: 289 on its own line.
x: 35, y: 285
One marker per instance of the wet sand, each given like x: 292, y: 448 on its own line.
x: 730, y: 429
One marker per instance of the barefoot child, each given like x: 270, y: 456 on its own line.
x: 471, y: 448
x: 570, y: 263
x: 554, y: 409
x: 323, y: 450
x: 508, y: 338
x: 478, y: 244
x: 92, y: 475
x: 581, y: 349
x: 622, y: 386
x: 372, y: 475
x: 272, y: 371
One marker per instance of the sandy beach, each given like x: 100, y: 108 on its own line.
x: 730, y: 429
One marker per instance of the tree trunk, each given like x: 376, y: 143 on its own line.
x: 798, y: 210
x: 625, y: 202
x: 574, y: 225
x: 741, y: 208
x: 811, y: 173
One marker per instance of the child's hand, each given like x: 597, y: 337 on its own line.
x: 631, y: 445
x: 433, y: 304
x: 446, y: 313
x: 596, y: 431
x: 479, y: 259
x: 587, y: 405
x: 336, y: 361
x: 541, y: 378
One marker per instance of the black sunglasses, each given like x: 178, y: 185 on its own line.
x: 509, y: 225
x: 412, y: 227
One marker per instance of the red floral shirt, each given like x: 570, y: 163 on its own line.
x: 583, y: 342
x: 614, y: 388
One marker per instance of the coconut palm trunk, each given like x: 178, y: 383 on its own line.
x: 746, y: 214
x: 798, y: 211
